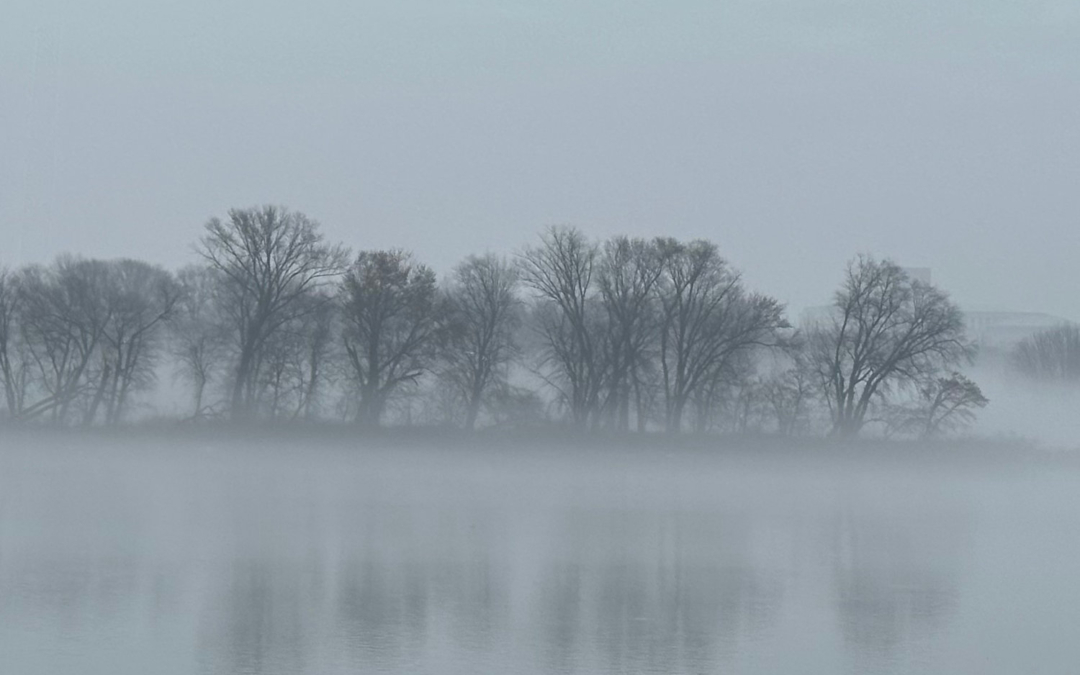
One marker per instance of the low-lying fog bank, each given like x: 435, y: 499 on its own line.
x: 432, y: 442
x: 277, y: 551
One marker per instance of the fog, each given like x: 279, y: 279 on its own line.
x: 258, y: 556
x: 794, y: 133
x: 417, y: 336
x: 1040, y: 412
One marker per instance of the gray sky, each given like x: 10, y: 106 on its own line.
x: 795, y: 133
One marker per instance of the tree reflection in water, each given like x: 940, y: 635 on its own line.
x: 663, y: 592
x: 896, y: 574
x: 267, y: 572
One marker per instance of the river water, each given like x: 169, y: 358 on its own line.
x: 218, y: 558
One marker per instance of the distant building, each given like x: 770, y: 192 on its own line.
x: 998, y: 330
x: 1003, y: 330
x: 820, y: 313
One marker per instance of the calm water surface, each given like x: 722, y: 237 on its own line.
x: 219, y: 559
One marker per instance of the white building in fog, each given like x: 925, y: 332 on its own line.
x: 1003, y: 330
x: 1000, y: 330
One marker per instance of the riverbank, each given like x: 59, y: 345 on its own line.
x: 301, y: 437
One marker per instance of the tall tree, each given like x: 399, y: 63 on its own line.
x: 560, y: 271
x: 482, y: 319
x: 13, y: 362
x: 1052, y: 354
x: 198, y: 331
x: 295, y: 362
x: 391, y: 314
x: 886, y: 331
x: 708, y: 319
x: 628, y: 273
x: 139, y: 298
x: 269, y: 259
x: 64, y: 315
x: 313, y: 363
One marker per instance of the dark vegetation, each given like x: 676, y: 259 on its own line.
x: 273, y: 326
x: 1051, y: 355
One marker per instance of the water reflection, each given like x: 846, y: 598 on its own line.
x: 63, y: 589
x: 257, y: 625
x: 896, y: 580
x: 560, y: 616
x: 269, y: 577
x: 641, y: 591
x: 382, y: 611
x: 613, y: 590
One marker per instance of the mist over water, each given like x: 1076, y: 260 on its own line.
x: 1041, y: 412
x: 565, y: 337
x: 244, y: 557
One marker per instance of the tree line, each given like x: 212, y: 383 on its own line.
x: 1050, y: 355
x: 627, y: 334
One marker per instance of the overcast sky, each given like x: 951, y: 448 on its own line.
x: 795, y: 133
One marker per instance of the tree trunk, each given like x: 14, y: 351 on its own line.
x: 98, y: 396
x: 675, y: 415
x: 238, y: 407
x: 472, y: 412
x: 200, y: 384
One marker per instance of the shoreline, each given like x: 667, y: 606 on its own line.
x: 348, y: 437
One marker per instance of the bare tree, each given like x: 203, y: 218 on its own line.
x: 279, y: 383
x: 269, y: 260
x: 560, y: 271
x: 140, y: 297
x: 730, y: 397
x: 628, y: 273
x: 64, y: 316
x: 748, y: 409
x: 1052, y: 354
x: 390, y: 310
x: 941, y: 405
x: 313, y: 364
x: 294, y: 364
x: 951, y: 403
x: 887, y: 331
x: 791, y: 391
x: 14, y: 360
x: 708, y: 319
x: 483, y: 317
x: 198, y: 331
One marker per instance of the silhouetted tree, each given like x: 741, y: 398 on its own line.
x: 560, y: 271
x: 949, y: 403
x: 1052, y: 354
x: 791, y: 392
x: 731, y: 397
x: 941, y: 405
x: 886, y: 331
x: 483, y: 317
x: 198, y: 331
x: 269, y: 260
x: 14, y: 361
x: 294, y: 365
x: 707, y: 319
x: 628, y: 273
x: 64, y: 315
x: 313, y: 363
x: 391, y: 314
x: 138, y: 298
